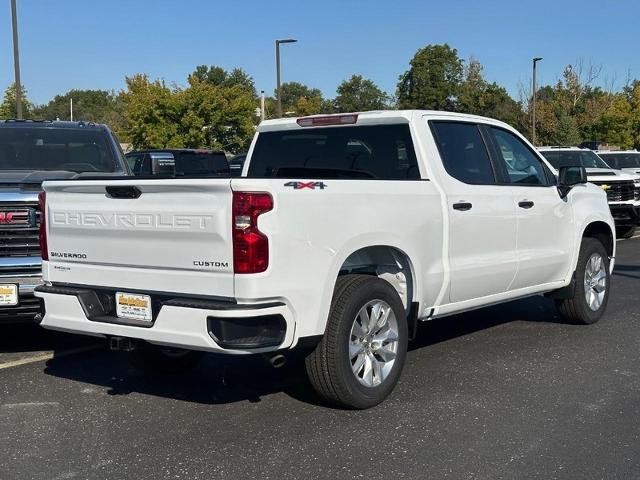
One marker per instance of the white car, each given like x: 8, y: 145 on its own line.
x: 627, y: 161
x: 344, y: 232
x: 622, y: 187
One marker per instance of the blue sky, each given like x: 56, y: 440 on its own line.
x: 69, y: 44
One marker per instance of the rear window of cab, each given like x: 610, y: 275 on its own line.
x: 383, y: 152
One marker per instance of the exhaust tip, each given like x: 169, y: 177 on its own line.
x: 278, y: 361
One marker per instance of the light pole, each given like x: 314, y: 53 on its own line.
x: 533, y: 109
x: 16, y: 59
x: 278, y: 89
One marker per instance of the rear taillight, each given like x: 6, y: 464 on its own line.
x: 250, y: 245
x: 42, y: 202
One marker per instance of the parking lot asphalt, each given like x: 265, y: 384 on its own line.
x: 505, y: 392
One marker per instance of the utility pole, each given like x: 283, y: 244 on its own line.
x: 262, y: 113
x: 16, y: 60
x: 71, y: 107
x: 533, y: 109
x: 278, y: 89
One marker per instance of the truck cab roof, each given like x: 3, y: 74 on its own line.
x: 373, y: 117
x: 15, y: 123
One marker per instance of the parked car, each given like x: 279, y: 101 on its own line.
x: 236, y: 164
x: 623, y: 189
x: 31, y: 152
x: 626, y: 160
x: 178, y: 163
x: 344, y: 235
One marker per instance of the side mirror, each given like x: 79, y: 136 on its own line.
x: 569, y: 177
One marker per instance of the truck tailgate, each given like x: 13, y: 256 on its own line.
x: 154, y: 235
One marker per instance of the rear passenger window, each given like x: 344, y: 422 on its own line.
x: 463, y: 152
x: 382, y: 152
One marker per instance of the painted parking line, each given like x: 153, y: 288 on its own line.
x: 630, y: 238
x: 43, y: 357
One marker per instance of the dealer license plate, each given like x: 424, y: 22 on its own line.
x: 132, y: 306
x: 8, y: 295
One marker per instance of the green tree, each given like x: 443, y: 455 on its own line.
x: 152, y: 113
x: 567, y: 132
x: 88, y: 105
x: 218, y: 117
x: 589, y: 117
x: 300, y: 99
x: 433, y: 79
x: 633, y: 95
x: 617, y: 122
x: 572, y: 110
x: 358, y: 94
x: 219, y: 77
x: 478, y: 97
x: 203, y: 115
x: 8, y: 105
x: 546, y: 123
x: 214, y: 75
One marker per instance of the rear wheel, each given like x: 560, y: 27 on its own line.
x: 163, y: 360
x: 625, y: 232
x: 359, y: 360
x: 591, y: 293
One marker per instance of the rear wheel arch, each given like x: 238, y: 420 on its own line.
x: 387, y: 263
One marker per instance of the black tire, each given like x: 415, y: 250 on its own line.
x: 576, y: 309
x: 625, y: 232
x: 163, y: 360
x: 329, y: 367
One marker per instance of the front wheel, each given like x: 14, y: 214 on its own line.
x: 163, y: 360
x: 591, y: 293
x: 359, y: 360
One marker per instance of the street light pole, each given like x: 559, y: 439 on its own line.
x: 16, y: 60
x: 278, y: 88
x: 533, y: 109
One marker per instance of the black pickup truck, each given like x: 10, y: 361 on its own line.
x: 178, y: 162
x: 31, y: 152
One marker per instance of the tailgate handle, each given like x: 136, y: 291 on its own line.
x: 123, y: 192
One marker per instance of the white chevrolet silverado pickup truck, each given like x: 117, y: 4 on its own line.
x: 343, y: 233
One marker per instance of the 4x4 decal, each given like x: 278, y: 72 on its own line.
x: 309, y: 185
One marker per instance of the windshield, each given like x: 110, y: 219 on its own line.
x: 67, y: 149
x: 622, y: 160
x: 200, y: 163
x: 178, y: 163
x: 381, y: 151
x: 574, y: 158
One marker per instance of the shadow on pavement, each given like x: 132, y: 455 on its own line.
x: 28, y: 338
x: 222, y: 379
x: 533, y: 309
x: 216, y: 380
x: 628, y: 271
